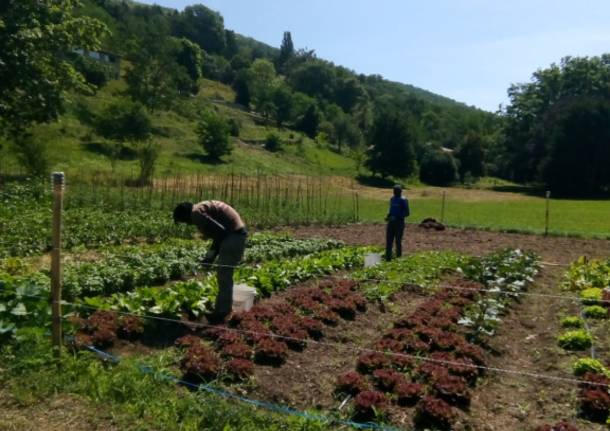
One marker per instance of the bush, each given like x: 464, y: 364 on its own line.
x: 438, y: 169
x: 572, y: 322
x: 273, y: 142
x: 213, y: 133
x: 123, y: 120
x: 595, y: 312
x: 32, y: 153
x: 588, y: 365
x: 575, y: 340
x: 147, y: 153
x: 234, y: 127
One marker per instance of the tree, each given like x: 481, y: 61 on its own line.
x: 231, y: 46
x: 438, y: 168
x: 578, y: 147
x: 315, y: 78
x: 281, y: 97
x: 344, y: 131
x: 147, y: 153
x: 242, y: 89
x: 471, y: 156
x: 286, y: 51
x: 35, y: 72
x: 213, y: 133
x: 310, y: 121
x: 154, y: 81
x: 532, y: 105
x: 190, y: 56
x: 204, y: 27
x: 391, y: 147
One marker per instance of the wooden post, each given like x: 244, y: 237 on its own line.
x: 58, y: 180
x: 546, y: 214
x: 443, y: 207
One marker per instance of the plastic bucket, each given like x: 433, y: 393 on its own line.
x: 371, y: 259
x: 243, y: 297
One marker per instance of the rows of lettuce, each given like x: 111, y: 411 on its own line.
x: 585, y: 335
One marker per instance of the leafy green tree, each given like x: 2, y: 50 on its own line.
x: 281, y: 97
x: 578, y: 147
x: 242, y: 89
x: 438, y: 168
x: 391, y: 147
x: 348, y: 93
x: 310, y: 121
x: 471, y: 156
x: 36, y: 38
x: 147, y: 153
x: 155, y: 81
x: 204, y: 27
x: 231, y: 45
x: 532, y: 106
x: 213, y: 132
x: 190, y: 56
x: 315, y: 78
x: 344, y: 131
x: 273, y: 142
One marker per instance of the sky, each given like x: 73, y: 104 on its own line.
x: 468, y: 50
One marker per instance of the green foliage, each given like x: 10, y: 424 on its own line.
x: 286, y: 50
x: 438, y: 168
x: 575, y: 340
x: 595, y: 312
x: 471, y: 157
x: 391, y: 151
x: 124, y: 120
x: 584, y: 274
x: 310, y: 121
x: 213, y: 133
x: 234, y: 127
x: 273, y: 142
x: 555, y: 126
x: 32, y: 152
x: 147, y: 153
x: 35, y: 40
x: 204, y: 27
x: 421, y: 269
x: 23, y: 302
x: 591, y: 296
x: 589, y: 365
x: 572, y: 322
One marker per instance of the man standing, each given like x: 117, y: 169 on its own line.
x: 399, y: 210
x: 219, y: 222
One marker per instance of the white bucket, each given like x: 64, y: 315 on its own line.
x: 371, y: 259
x: 243, y: 297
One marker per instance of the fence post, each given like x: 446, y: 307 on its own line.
x: 58, y: 180
x: 443, y: 207
x: 546, y: 213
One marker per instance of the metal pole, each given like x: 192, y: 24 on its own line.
x: 443, y: 207
x: 58, y: 180
x: 546, y: 214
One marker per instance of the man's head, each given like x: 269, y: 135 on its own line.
x: 182, y: 213
x: 397, y: 190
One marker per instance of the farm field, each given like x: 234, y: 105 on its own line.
x: 311, y: 369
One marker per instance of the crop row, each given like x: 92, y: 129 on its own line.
x: 196, y: 296
x: 392, y: 372
x: 591, y: 279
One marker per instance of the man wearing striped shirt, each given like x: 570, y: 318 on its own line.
x: 219, y: 222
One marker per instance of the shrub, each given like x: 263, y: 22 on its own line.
x: 575, y: 340
x: 588, y: 365
x: 595, y: 312
x: 123, y: 120
x: 369, y: 404
x: 32, y: 154
x: 147, y: 153
x: 273, y: 142
x: 234, y: 127
x: 213, y: 132
x: 438, y: 169
x: 572, y: 322
x: 591, y: 296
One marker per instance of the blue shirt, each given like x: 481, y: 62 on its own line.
x: 399, y: 208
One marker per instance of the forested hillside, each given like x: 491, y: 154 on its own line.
x: 194, y: 93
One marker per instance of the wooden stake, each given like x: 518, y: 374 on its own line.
x: 443, y: 207
x: 546, y: 214
x: 58, y: 180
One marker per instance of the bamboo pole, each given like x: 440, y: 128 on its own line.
x: 58, y: 180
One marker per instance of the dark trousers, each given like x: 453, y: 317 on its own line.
x: 394, y: 232
x: 230, y: 254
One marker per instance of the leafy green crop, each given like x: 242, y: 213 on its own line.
x: 595, y: 312
x: 589, y: 365
x: 575, y: 340
x: 586, y: 274
x: 23, y: 302
x: 572, y: 322
x: 591, y: 295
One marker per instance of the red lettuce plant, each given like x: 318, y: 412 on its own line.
x: 371, y: 361
x: 199, y: 363
x: 237, y: 350
x: 270, y: 351
x: 595, y: 404
x: 239, y: 368
x: 314, y: 327
x: 351, y: 383
x: 188, y: 341
x: 408, y: 393
x: 369, y: 404
x: 130, y: 327
x: 386, y: 379
x: 434, y: 412
x: 560, y: 426
x: 452, y: 389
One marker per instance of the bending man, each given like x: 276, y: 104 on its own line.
x: 399, y: 210
x: 219, y: 222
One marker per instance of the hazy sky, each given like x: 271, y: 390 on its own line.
x: 469, y: 50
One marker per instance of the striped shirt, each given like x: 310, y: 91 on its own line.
x: 215, y: 219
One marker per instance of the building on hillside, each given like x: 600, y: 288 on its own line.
x: 110, y: 60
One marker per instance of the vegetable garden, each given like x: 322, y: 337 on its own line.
x: 329, y: 344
